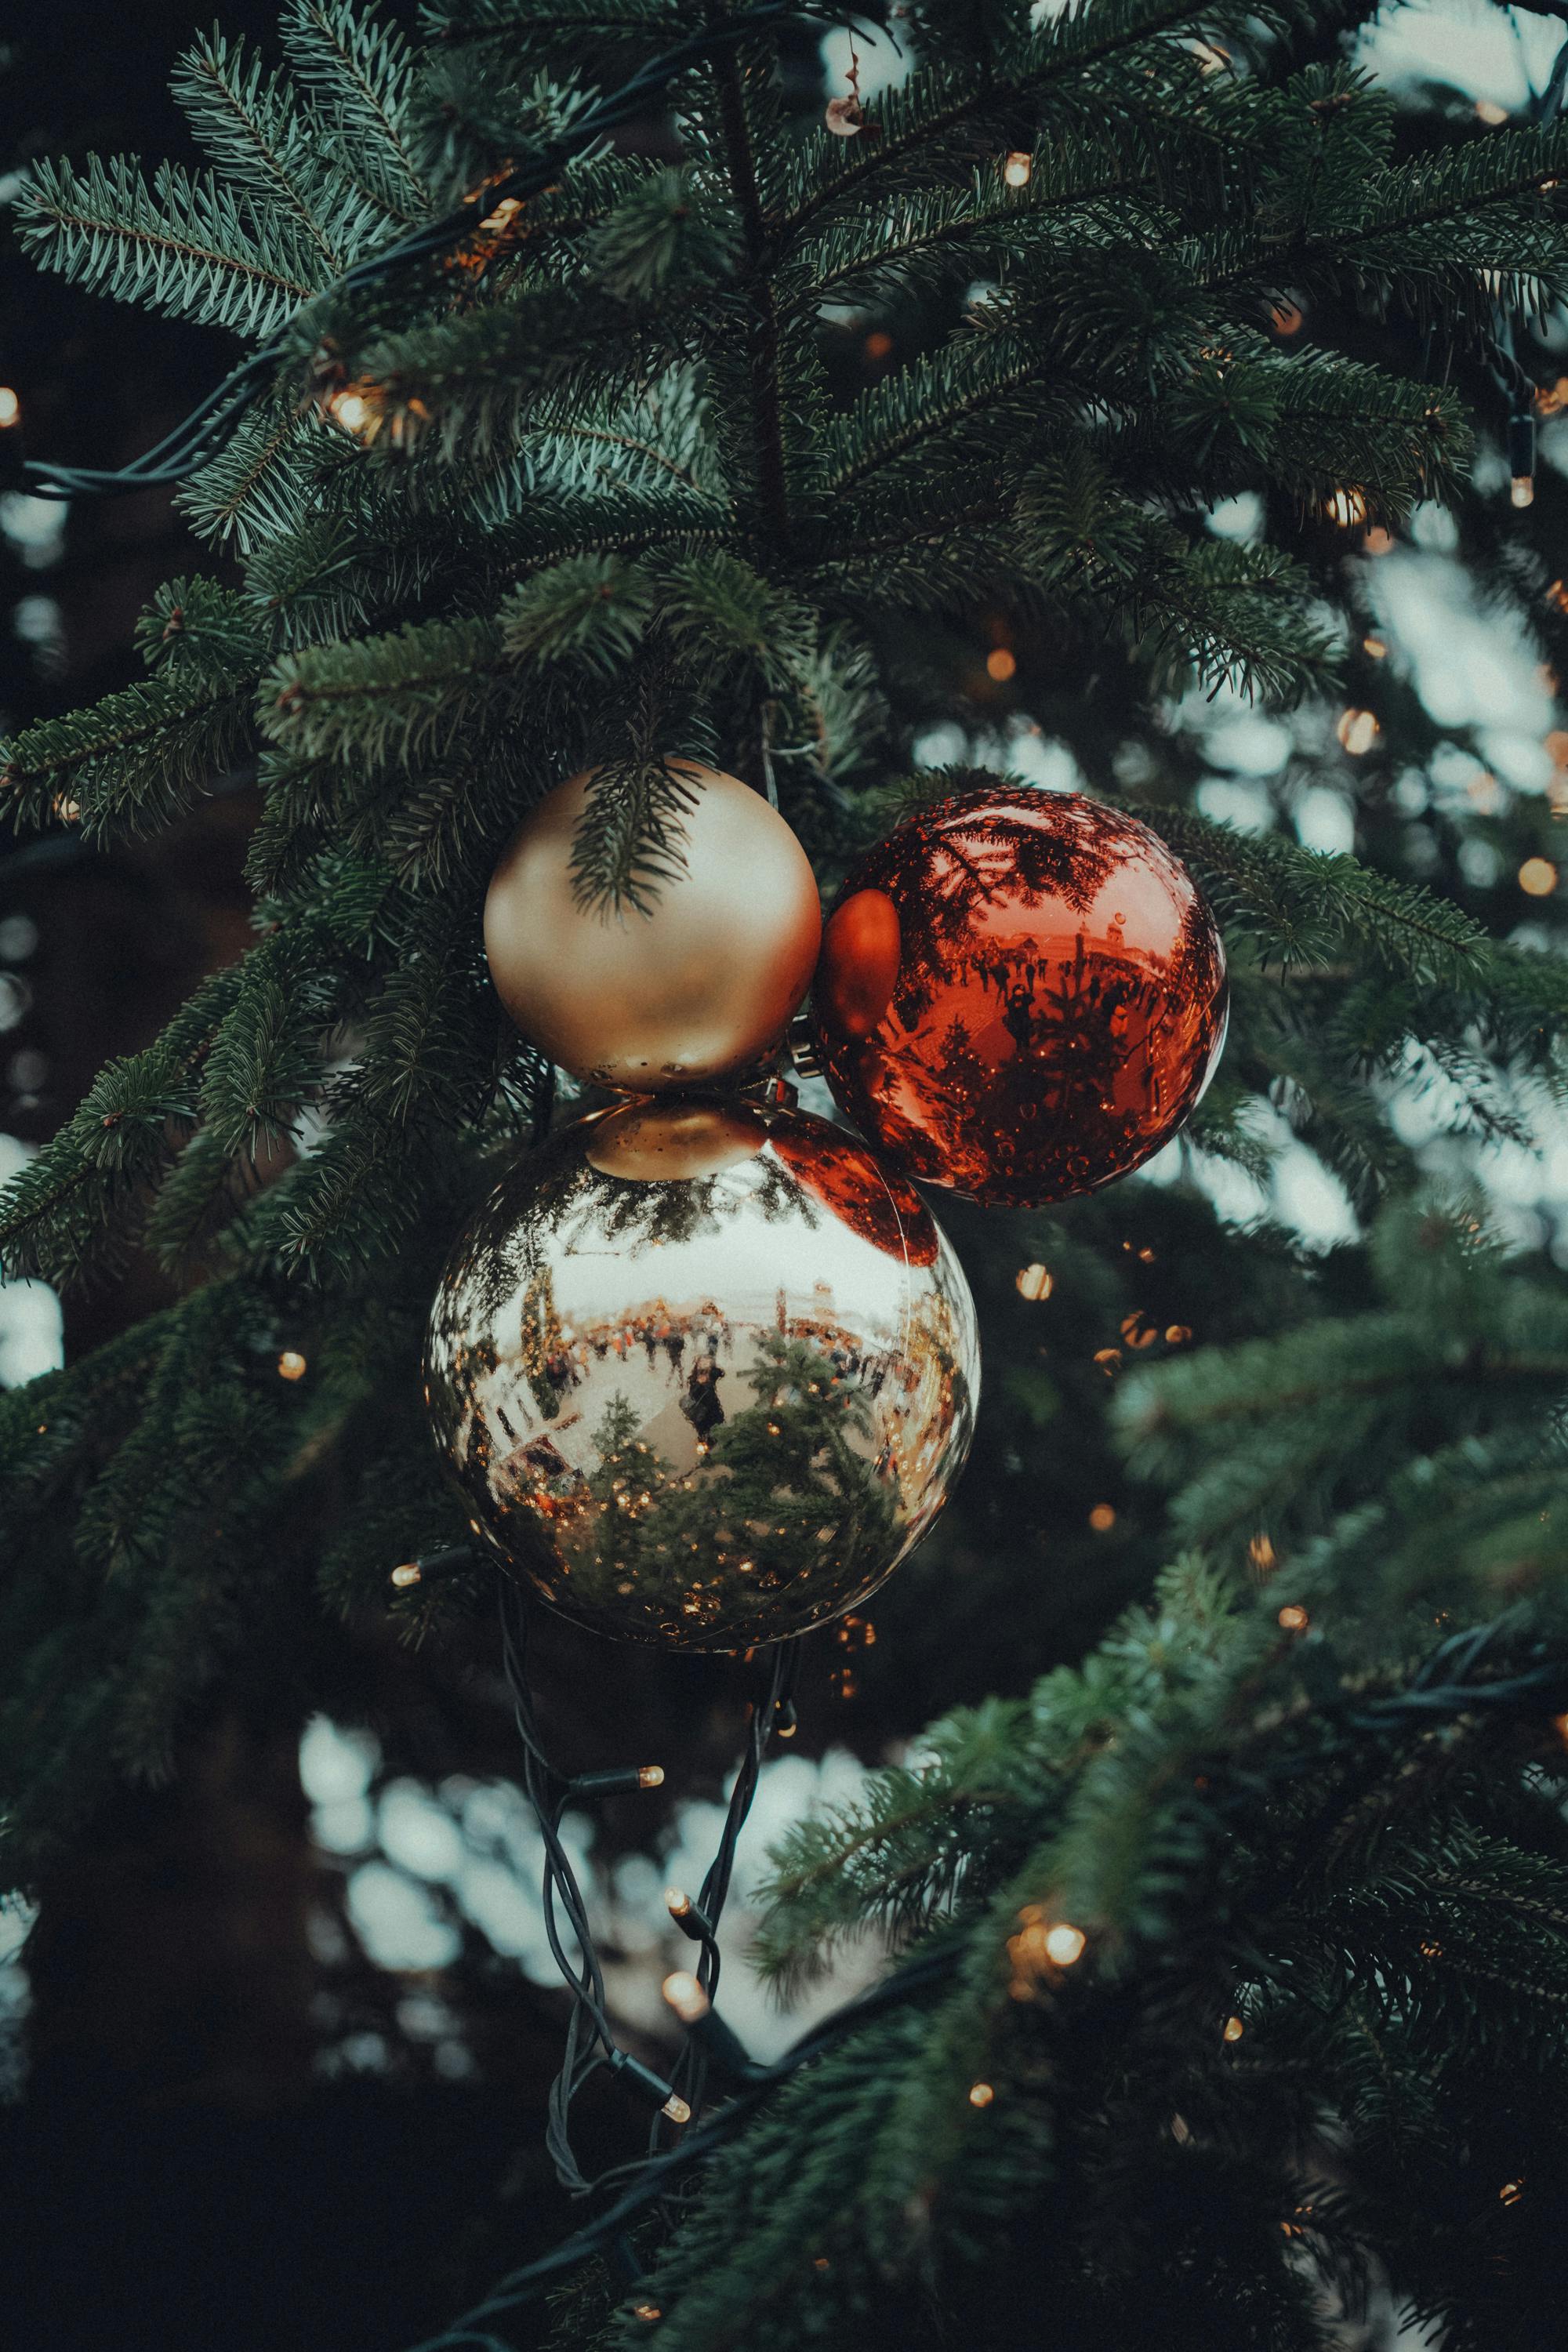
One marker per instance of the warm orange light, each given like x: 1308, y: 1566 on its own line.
x: 1358, y: 731
x: 650, y: 1776
x: 1488, y: 110
x: 1233, y: 2029
x: 981, y: 2095
x: 1285, y: 317
x: 409, y: 1573
x: 1015, y: 170
x: 1511, y: 2193
x: 1521, y: 490
x: 1377, y: 542
x: 290, y: 1365
x: 1178, y: 1334
x: 1064, y: 1945
x: 1102, y: 1517
x: 678, y: 1901
x: 1559, y: 1722
x: 1033, y: 1282
x: 879, y: 344
x: 678, y: 2109
x: 1538, y: 877
x: 1107, y: 1358
x: 1373, y: 647
x: 1347, y: 508
x: 648, y: 2311
x: 1000, y: 664
x: 351, y: 410
x: 1261, y: 1553
x: 1294, y: 1618
x: 10, y: 407
x: 685, y: 1997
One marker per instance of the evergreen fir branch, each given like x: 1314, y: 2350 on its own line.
x: 385, y: 698
x: 630, y: 839
x: 265, y: 1063
x: 257, y: 490
x: 181, y: 247
x: 266, y: 143
x: 592, y: 609
x: 471, y: 383
x: 133, y: 762
x: 359, y: 74
x: 1299, y: 903
x: 560, y: 30
x: 201, y: 633
x: 352, y: 1205
x: 69, y: 1206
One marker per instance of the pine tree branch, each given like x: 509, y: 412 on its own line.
x: 763, y: 328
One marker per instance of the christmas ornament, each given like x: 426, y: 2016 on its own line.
x: 701, y: 1373
x: 1021, y: 994
x: 700, y: 986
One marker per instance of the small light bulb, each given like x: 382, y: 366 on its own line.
x: 1015, y: 170
x: 1358, y: 731
x: 351, y: 409
x: 1538, y: 877
x: 1511, y: 2193
x: 678, y: 2109
x: 981, y: 2095
x: 678, y: 1902
x: 647, y: 2311
x: 1294, y: 1618
x: 1347, y: 508
x: 1033, y: 1282
x: 290, y: 1365
x: 685, y: 1997
x: 409, y: 1573
x: 650, y: 1776
x: 1101, y: 1518
x: 10, y: 407
x: 1373, y: 647
x: 1000, y: 663
x: 1233, y: 2029
x: 1521, y: 490
x: 1064, y: 1945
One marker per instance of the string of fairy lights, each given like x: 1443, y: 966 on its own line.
x: 216, y: 417
x: 1470, y: 1675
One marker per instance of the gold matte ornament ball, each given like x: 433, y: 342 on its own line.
x: 700, y: 986
x: 704, y: 1373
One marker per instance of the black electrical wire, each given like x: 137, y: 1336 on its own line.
x: 214, y: 419
x: 591, y: 2045
x: 1451, y: 1682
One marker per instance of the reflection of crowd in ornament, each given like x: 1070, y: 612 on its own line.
x: 663, y: 1334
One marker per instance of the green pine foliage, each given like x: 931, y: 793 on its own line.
x: 593, y: 490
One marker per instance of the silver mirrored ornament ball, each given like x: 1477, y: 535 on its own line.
x: 705, y: 1373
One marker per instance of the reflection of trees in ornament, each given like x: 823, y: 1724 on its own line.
x: 1056, y: 1003
x: 782, y: 1492
x: 542, y: 1350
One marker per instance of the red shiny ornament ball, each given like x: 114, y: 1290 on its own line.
x: 1021, y: 994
